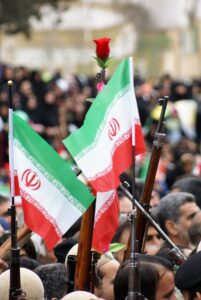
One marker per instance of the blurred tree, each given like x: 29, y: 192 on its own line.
x: 14, y: 15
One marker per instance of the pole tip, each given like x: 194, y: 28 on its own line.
x: 10, y: 82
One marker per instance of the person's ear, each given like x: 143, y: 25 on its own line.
x: 171, y: 227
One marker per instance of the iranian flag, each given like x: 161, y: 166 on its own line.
x: 102, y: 148
x: 52, y: 197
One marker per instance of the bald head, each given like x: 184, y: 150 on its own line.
x: 30, y: 284
x: 80, y: 295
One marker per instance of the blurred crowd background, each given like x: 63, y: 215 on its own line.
x: 56, y: 106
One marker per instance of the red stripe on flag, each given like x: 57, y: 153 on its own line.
x: 106, y: 226
x: 139, y: 140
x: 121, y: 160
x: 16, y: 184
x: 36, y: 221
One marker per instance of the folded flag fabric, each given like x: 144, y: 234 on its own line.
x: 52, y: 197
x: 102, y: 147
x: 106, y: 220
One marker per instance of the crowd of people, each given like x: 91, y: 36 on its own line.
x: 55, y: 106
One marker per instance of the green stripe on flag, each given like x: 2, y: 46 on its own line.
x: 98, y: 133
x: 53, y: 167
x: 98, y: 109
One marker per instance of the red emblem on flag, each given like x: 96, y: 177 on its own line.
x: 114, y: 128
x: 31, y: 179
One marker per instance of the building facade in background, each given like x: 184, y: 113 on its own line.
x: 163, y: 37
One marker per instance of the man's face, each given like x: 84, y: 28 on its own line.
x: 153, y: 241
x: 109, y: 271
x: 166, y: 287
x: 187, y: 212
x: 125, y: 205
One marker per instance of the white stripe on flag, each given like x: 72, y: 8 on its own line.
x: 121, y: 111
x: 52, y: 200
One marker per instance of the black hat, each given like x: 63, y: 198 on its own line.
x: 188, y: 276
x: 61, y: 250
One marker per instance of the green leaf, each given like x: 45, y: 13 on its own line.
x: 106, y: 63
x: 100, y: 62
x: 115, y: 247
x: 90, y: 100
x: 110, y: 62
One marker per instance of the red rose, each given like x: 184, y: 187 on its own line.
x: 102, y: 48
